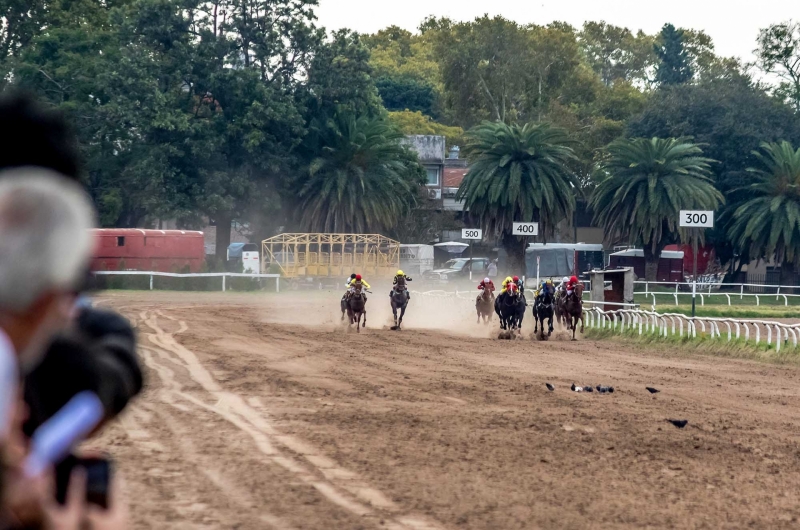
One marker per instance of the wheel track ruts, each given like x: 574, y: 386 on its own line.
x: 339, y: 485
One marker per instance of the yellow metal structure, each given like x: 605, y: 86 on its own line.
x: 330, y: 255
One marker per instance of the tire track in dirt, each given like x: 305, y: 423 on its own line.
x: 338, y: 485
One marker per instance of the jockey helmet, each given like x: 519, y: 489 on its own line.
x: 400, y: 273
x: 486, y: 280
x: 574, y: 279
x: 512, y: 288
x: 508, y: 279
x: 516, y: 278
x: 565, y: 279
x: 353, y: 276
x: 358, y: 276
x: 549, y: 282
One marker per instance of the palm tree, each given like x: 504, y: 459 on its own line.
x: 767, y: 223
x: 361, y: 178
x: 518, y: 174
x: 648, y: 182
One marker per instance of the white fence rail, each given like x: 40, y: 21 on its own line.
x: 643, y: 322
x: 665, y: 324
x: 222, y: 275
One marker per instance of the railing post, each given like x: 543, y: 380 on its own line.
x: 277, y: 284
x: 151, y: 282
x: 223, y: 283
x: 741, y: 292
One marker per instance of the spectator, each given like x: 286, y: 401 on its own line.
x: 492, y: 273
x: 45, y: 247
x: 34, y: 136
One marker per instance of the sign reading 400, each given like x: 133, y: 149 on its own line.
x: 697, y: 218
x: 525, y: 229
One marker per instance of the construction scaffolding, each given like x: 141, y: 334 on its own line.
x: 330, y: 255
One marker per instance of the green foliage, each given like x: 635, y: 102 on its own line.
x: 416, y: 123
x: 518, y: 173
x: 647, y: 183
x: 407, y: 93
x: 767, y: 222
x: 615, y: 53
x: 674, y: 61
x: 362, y: 178
x: 778, y: 53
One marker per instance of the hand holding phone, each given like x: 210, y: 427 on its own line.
x: 98, y: 477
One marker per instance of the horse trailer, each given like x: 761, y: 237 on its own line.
x: 148, y: 250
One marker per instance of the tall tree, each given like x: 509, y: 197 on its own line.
x: 615, y: 53
x: 730, y: 117
x: 647, y: 183
x: 362, y: 179
x: 778, y: 53
x: 518, y: 173
x: 674, y: 61
x: 766, y: 222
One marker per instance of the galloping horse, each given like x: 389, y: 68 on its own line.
x: 399, y: 301
x: 356, y: 308
x: 510, y: 307
x: 560, y: 313
x: 483, y: 305
x: 573, y: 307
x: 543, y: 310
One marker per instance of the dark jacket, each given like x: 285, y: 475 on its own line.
x: 100, y: 355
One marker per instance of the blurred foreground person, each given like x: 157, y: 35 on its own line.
x: 45, y: 247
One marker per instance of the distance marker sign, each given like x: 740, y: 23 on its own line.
x: 472, y: 234
x: 697, y: 219
x: 526, y: 229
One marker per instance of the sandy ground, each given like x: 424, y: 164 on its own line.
x: 262, y: 411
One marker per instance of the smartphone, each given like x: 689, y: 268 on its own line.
x: 98, y: 479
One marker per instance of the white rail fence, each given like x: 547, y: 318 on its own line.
x: 706, y: 290
x: 222, y: 275
x: 666, y: 324
x: 631, y: 319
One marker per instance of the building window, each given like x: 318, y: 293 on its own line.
x: 433, y: 176
x: 121, y: 241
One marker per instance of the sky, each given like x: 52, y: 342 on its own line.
x: 733, y: 24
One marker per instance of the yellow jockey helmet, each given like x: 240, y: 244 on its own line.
x: 400, y: 273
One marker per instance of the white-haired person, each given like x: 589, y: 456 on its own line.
x: 45, y: 249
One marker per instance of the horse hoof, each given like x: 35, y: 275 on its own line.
x: 574, y: 340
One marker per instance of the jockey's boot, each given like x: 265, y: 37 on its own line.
x: 408, y: 294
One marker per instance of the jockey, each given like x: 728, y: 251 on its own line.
x: 562, y: 287
x: 347, y: 286
x: 357, y: 282
x: 400, y: 279
x: 545, y: 284
x: 520, y: 284
x: 487, y: 285
x: 507, y: 281
x: 573, y: 281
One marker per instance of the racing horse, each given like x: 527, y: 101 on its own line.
x: 510, y: 307
x: 356, y: 308
x: 483, y: 305
x: 399, y: 301
x: 560, y: 314
x: 573, y: 308
x: 543, y: 309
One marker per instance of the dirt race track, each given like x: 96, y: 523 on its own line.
x: 262, y: 412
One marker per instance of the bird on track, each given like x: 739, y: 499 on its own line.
x: 679, y: 423
x: 549, y: 387
x: 652, y: 390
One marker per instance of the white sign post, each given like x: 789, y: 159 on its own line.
x: 695, y: 219
x: 525, y: 229
x: 471, y: 234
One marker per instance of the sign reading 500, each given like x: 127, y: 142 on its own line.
x: 472, y: 234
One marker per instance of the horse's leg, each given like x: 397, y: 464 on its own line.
x: 581, y: 317
x: 402, y: 314
x: 550, y: 325
x: 574, y: 321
